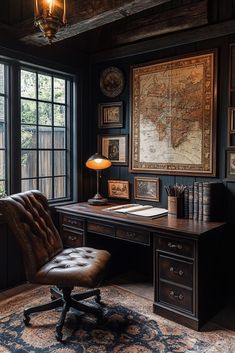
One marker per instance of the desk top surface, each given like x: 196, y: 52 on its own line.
x: 164, y: 223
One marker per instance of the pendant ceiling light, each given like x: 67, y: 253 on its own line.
x: 50, y: 16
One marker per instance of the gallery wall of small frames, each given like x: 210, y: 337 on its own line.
x: 115, y: 146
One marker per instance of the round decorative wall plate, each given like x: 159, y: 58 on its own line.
x: 112, y: 81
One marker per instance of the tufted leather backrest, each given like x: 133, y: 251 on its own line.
x: 29, y: 219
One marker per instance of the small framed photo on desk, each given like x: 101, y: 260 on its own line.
x: 118, y: 189
x: 146, y: 188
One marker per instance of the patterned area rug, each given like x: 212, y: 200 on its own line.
x: 129, y: 327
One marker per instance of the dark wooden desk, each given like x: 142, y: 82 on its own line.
x: 189, y: 256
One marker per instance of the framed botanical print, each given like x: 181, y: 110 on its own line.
x: 110, y: 115
x: 118, y: 189
x: 114, y: 147
x: 173, y: 120
x: 146, y: 188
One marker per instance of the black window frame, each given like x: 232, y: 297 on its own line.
x: 13, y: 124
x: 69, y: 122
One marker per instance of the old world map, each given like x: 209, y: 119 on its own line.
x: 172, y: 115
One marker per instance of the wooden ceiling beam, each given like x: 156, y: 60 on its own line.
x: 86, y: 15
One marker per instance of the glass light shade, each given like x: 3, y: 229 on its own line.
x: 98, y: 162
x: 50, y: 16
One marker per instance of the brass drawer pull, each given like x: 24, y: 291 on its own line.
x: 131, y: 234
x: 176, y: 296
x: 179, y: 272
x: 72, y: 237
x: 175, y: 246
x: 70, y: 221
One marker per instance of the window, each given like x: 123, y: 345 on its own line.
x: 3, y: 127
x: 45, y: 117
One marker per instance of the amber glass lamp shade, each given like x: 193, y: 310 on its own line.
x: 50, y: 17
x: 98, y: 162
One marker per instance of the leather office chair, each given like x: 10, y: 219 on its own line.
x: 45, y: 260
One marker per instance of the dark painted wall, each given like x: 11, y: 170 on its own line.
x: 96, y: 97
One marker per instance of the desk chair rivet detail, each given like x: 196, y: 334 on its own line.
x: 47, y: 263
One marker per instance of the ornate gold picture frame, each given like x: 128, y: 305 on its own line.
x: 146, y: 188
x: 173, y: 121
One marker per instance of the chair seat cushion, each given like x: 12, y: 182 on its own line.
x: 74, y: 267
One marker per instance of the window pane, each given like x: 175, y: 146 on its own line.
x: 2, y: 78
x: 2, y: 188
x: 2, y: 135
x: 59, y: 90
x: 45, y: 163
x: 28, y: 184
x: 2, y: 108
x: 59, y: 162
x: 44, y: 114
x: 2, y: 164
x: 28, y: 164
x: 59, y: 115
x: 59, y: 137
x: 45, y: 186
x: 28, y: 84
x: 45, y: 137
x: 44, y: 87
x: 28, y: 136
x: 60, y: 187
x: 28, y: 112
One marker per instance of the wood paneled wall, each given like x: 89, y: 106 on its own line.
x: 125, y: 63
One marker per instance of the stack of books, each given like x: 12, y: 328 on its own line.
x: 203, y: 201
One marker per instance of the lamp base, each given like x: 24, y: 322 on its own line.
x: 97, y: 202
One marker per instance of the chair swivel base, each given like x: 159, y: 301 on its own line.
x: 65, y: 300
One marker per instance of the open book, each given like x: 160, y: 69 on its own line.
x: 139, y: 210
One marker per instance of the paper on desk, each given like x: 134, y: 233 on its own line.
x: 114, y: 208
x: 151, y: 212
x: 133, y: 208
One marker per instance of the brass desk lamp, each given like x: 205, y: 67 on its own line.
x: 97, y: 162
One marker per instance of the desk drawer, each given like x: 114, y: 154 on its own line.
x: 72, y: 222
x: 178, y: 271
x: 176, y: 296
x: 133, y: 235
x: 71, y: 238
x: 176, y: 246
x: 100, y: 229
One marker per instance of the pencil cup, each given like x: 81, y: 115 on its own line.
x: 175, y: 206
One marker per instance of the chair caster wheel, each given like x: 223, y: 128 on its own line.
x: 58, y: 336
x: 100, y: 317
x: 26, y: 320
x: 98, y: 298
x: 58, y: 333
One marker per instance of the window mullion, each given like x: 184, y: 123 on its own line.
x: 14, y: 128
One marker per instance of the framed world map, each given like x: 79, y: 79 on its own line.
x: 173, y: 120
